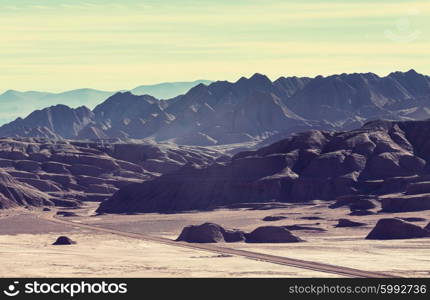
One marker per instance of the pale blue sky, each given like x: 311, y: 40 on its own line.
x: 56, y: 45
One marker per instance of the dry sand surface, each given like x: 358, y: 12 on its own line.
x: 339, y: 246
x: 26, y: 250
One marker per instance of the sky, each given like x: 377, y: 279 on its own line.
x: 56, y: 45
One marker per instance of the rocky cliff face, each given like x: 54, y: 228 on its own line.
x: 382, y: 157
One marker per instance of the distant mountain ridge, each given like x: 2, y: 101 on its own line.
x: 15, y: 104
x: 250, y: 109
x: 167, y: 90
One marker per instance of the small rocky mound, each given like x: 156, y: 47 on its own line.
x: 209, y: 233
x: 404, y: 203
x: 271, y: 234
x: 303, y: 227
x: 312, y: 218
x: 273, y: 218
x: 66, y: 214
x: 64, y: 240
x: 349, y: 223
x: 418, y: 188
x: 348, y: 200
x: 362, y: 205
x: 233, y: 235
x: 389, y: 229
x: 361, y: 212
x: 412, y: 219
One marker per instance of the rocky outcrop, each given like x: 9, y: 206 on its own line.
x: 64, y: 240
x: 214, y: 233
x: 349, y: 223
x: 66, y: 213
x: 362, y: 205
x: 313, y: 165
x: 271, y: 234
x: 403, y: 203
x: 387, y: 229
x: 418, y: 188
x: 348, y: 200
x: 274, y: 218
x: 361, y: 212
x: 210, y: 233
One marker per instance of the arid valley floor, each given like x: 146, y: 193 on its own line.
x: 26, y: 237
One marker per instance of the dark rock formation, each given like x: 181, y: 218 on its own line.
x: 418, y: 188
x: 403, y: 203
x: 233, y: 235
x: 348, y: 200
x: 303, y: 227
x: 362, y: 205
x: 205, y: 233
x: 412, y: 219
x: 387, y: 229
x: 361, y: 212
x: 271, y: 234
x: 209, y: 233
x: 349, y: 223
x: 274, y: 218
x: 312, y: 218
x: 66, y: 214
x: 64, y: 240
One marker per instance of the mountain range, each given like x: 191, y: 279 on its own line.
x: 17, y: 104
x: 249, y: 110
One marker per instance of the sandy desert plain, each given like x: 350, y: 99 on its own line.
x: 26, y: 237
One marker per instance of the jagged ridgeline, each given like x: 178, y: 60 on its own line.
x: 251, y: 109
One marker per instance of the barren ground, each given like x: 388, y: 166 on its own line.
x: 26, y: 248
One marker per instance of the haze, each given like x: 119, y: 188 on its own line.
x: 111, y: 45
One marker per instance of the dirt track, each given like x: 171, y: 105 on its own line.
x: 326, y: 268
